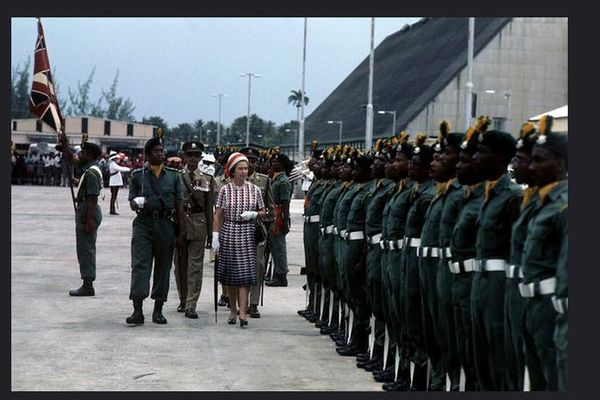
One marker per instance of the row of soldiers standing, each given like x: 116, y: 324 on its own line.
x: 434, y: 268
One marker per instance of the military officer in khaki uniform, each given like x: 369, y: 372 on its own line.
x: 264, y: 183
x: 198, y: 199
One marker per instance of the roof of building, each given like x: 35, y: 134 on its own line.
x: 411, y: 67
x: 560, y: 112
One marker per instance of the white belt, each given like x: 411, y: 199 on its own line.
x: 560, y: 305
x: 445, y: 252
x: 391, y: 244
x: 356, y: 235
x: 540, y: 288
x: 329, y: 229
x: 400, y: 243
x: 311, y: 218
x: 493, y: 265
x: 463, y: 266
x: 510, y: 272
x: 412, y: 242
x: 375, y: 239
x: 429, y: 252
x: 343, y: 234
x: 335, y: 230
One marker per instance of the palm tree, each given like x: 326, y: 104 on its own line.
x: 296, y: 99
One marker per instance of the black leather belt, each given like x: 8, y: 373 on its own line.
x: 241, y: 222
x: 194, y: 210
x: 164, y: 213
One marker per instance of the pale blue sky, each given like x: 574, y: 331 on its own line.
x: 171, y: 66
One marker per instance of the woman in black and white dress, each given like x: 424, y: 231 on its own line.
x: 239, y: 204
x: 116, y: 179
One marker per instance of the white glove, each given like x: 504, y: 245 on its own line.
x: 249, y: 215
x: 215, y: 242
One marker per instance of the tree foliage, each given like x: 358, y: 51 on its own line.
x: 19, y: 93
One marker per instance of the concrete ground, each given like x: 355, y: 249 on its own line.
x: 62, y: 343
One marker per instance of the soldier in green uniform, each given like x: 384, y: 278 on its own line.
x: 311, y: 237
x: 282, y: 194
x: 89, y: 214
x: 453, y: 200
x: 354, y: 258
x: 327, y: 244
x: 546, y: 231
x: 499, y: 211
x: 326, y: 257
x: 198, y: 201
x: 373, y: 225
x: 513, y: 302
x: 263, y: 225
x: 421, y: 197
x: 394, y: 218
x: 340, y: 212
x: 433, y: 273
x: 155, y: 194
x: 561, y: 305
x: 461, y: 257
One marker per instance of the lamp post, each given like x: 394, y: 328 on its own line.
x: 369, y: 122
x: 394, y: 121
x: 341, y: 123
x: 220, y: 96
x: 469, y: 84
x: 249, y: 75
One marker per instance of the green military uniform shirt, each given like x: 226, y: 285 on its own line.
x: 168, y: 183
x: 545, y: 234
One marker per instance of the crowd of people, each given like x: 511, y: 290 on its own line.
x: 434, y: 267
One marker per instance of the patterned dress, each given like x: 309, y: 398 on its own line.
x: 237, y: 247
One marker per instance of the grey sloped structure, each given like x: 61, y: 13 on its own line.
x: 420, y: 72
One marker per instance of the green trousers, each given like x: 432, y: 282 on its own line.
x: 356, y: 295
x: 513, y: 335
x: 461, y: 303
x: 538, y: 336
x: 428, y: 271
x: 152, y: 242
x: 86, y: 244
x: 561, y: 341
x: 446, y: 332
x: 327, y: 261
x: 413, y: 314
x: 487, y: 314
x: 278, y: 248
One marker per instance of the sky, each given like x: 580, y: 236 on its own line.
x: 171, y: 67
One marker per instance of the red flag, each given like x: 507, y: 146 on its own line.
x: 42, y: 101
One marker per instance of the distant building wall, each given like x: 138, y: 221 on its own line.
x: 529, y: 57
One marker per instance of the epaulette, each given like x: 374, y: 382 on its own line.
x: 137, y: 170
x: 259, y: 175
x: 172, y: 169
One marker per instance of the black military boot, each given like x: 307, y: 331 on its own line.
x: 87, y: 289
x: 138, y: 316
x: 279, y: 280
x: 253, y: 311
x: 157, y: 316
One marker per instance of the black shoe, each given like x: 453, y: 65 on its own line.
x: 387, y: 375
x: 137, y: 317
x: 232, y: 321
x: 363, y: 357
x: 223, y: 301
x: 85, y: 290
x: 277, y: 281
x: 253, y: 311
x: 326, y: 330
x: 312, y: 318
x: 191, y: 314
x: 319, y: 324
x: 114, y: 213
x: 157, y: 316
x: 303, y: 312
x: 243, y: 322
x: 401, y: 385
x: 181, y: 307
